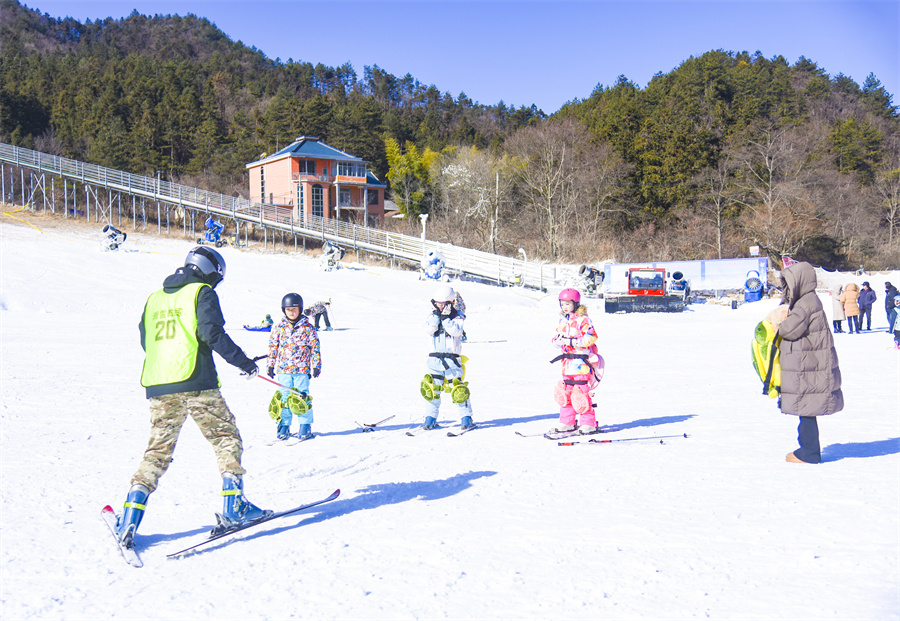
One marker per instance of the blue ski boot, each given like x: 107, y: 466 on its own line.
x: 466, y: 422
x: 430, y: 422
x: 135, y: 504
x: 237, y: 509
x: 305, y: 432
x: 283, y: 432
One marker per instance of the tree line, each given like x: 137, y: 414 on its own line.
x: 728, y: 150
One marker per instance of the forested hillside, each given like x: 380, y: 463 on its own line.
x: 728, y: 150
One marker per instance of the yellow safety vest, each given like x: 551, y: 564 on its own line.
x: 170, y: 336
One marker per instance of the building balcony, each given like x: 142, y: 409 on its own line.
x: 307, y: 177
x: 359, y: 205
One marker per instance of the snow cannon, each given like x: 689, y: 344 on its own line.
x: 753, y: 287
x: 331, y: 256
x: 213, y: 234
x: 592, y: 278
x: 112, y: 237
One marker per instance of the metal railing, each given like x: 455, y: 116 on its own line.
x: 506, y: 270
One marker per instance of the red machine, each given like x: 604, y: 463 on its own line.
x: 650, y: 290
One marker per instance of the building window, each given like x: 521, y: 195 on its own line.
x: 306, y: 167
x: 262, y: 184
x: 344, y: 197
x: 373, y: 196
x: 317, y: 199
x: 351, y: 169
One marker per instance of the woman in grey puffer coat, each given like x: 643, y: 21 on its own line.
x: 810, y: 375
x: 837, y: 308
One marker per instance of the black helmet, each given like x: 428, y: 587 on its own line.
x: 208, y: 262
x: 291, y: 300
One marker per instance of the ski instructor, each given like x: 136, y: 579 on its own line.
x: 182, y: 325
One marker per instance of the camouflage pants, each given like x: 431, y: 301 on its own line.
x: 167, y: 415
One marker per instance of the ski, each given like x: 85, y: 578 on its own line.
x: 550, y: 435
x: 417, y: 431
x: 274, y: 516
x: 278, y: 441
x: 366, y: 427
x: 109, y: 516
x: 295, y: 440
x: 597, y: 441
x: 458, y: 431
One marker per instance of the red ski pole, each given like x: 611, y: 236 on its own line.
x: 263, y: 377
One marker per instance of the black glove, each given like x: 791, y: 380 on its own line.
x: 271, y: 372
x: 316, y: 372
x: 250, y: 373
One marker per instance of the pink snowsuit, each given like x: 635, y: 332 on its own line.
x: 575, y: 335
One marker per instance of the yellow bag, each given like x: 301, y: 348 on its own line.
x: 765, y: 351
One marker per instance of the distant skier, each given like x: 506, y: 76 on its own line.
x: 317, y: 311
x: 181, y: 326
x: 446, y: 366
x: 581, y: 363
x: 294, y: 358
x: 264, y: 326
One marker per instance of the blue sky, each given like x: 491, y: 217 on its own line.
x: 546, y: 53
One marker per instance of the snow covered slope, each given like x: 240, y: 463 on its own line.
x: 488, y: 525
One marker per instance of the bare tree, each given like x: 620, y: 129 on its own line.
x: 554, y: 157
x: 719, y: 196
x: 475, y: 189
x: 778, y: 175
x: 887, y: 185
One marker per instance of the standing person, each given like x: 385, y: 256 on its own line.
x: 894, y: 321
x: 851, y: 307
x: 890, y: 292
x: 577, y: 338
x: 319, y: 309
x: 446, y: 365
x: 294, y: 355
x: 810, y: 375
x: 181, y: 326
x: 867, y: 299
x: 837, y: 308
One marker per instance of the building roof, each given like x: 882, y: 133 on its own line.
x: 371, y: 179
x: 311, y: 147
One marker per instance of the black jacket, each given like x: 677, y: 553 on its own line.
x: 211, y: 337
x: 889, y: 294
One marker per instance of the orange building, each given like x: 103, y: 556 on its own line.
x: 313, y: 178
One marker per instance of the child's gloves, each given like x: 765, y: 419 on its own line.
x: 271, y: 372
x: 316, y: 372
x: 250, y: 373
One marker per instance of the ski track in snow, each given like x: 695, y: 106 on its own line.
x: 488, y: 525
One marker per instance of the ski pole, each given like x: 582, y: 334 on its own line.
x: 595, y: 441
x: 263, y: 377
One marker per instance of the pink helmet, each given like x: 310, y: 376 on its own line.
x: 571, y: 295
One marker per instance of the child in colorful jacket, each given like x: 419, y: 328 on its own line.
x: 581, y: 364
x: 293, y: 359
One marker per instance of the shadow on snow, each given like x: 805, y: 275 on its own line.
x: 878, y: 448
x: 375, y: 496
